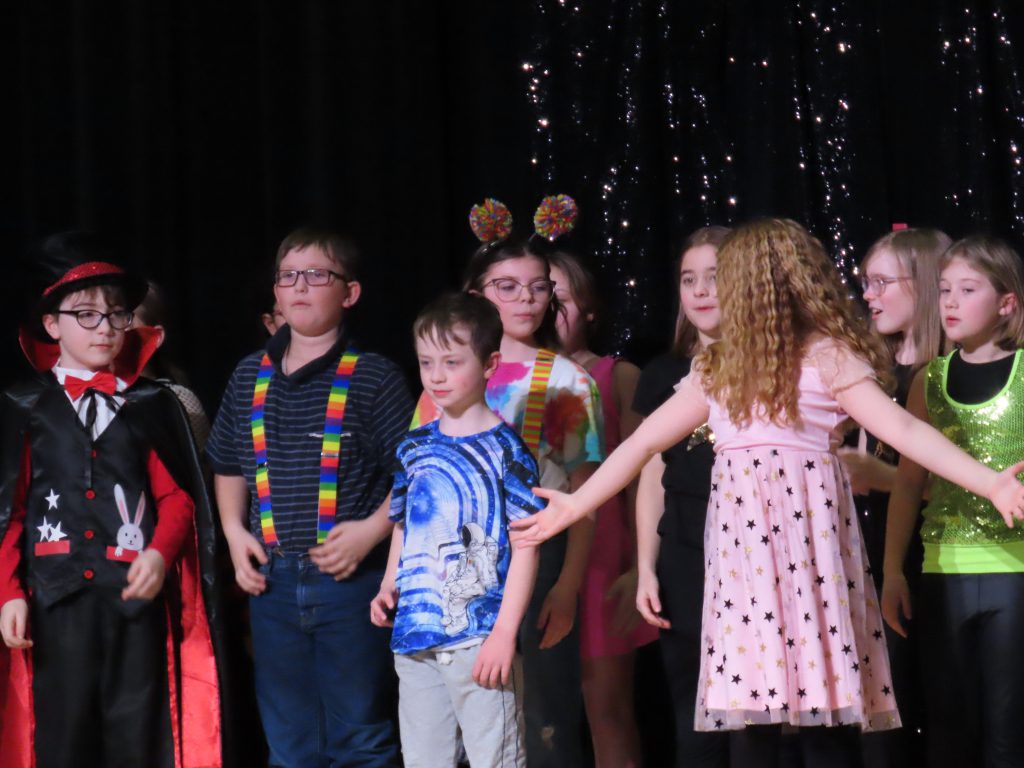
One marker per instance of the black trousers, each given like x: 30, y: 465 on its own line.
x: 99, y: 683
x: 972, y: 649
x: 681, y: 578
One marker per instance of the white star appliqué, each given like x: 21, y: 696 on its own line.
x: 56, y: 534
x: 45, y: 530
x: 52, y: 499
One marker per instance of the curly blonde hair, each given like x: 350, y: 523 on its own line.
x: 777, y: 289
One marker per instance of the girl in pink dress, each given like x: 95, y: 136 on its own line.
x: 610, y: 627
x: 791, y: 627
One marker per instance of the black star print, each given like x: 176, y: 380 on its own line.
x: 792, y: 568
x: 735, y: 542
x: 828, y: 503
x: 814, y: 711
x: 736, y: 678
x: 755, y: 695
x: 728, y: 462
x: 771, y: 693
x: 848, y: 523
x: 886, y: 690
x: 807, y: 617
x: 751, y: 525
x: 745, y: 619
x: 728, y: 603
x: 753, y: 601
x: 785, y: 707
x: 807, y: 541
x: 877, y: 634
x: 809, y: 465
x: 832, y: 630
x: 798, y: 515
x: 851, y: 585
x: 834, y: 528
x: 769, y: 616
x: 819, y: 580
x: 855, y: 667
x: 824, y: 603
x: 720, y: 669
x: 711, y: 650
x: 739, y: 501
x: 789, y: 490
x: 790, y: 642
x: 799, y: 592
x: 757, y: 463
x: 714, y: 486
x: 775, y: 529
x: 775, y: 452
x: 718, y: 723
x: 782, y: 473
x: 801, y: 692
x: 725, y: 527
x: 764, y: 539
x: 847, y: 650
x: 867, y: 659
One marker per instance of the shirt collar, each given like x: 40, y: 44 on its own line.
x: 278, y: 343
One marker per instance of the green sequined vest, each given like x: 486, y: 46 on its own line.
x: 993, y: 433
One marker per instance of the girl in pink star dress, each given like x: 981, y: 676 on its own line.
x: 792, y: 632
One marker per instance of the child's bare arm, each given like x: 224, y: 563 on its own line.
x: 923, y: 444
x: 494, y: 662
x: 233, y: 502
x: 650, y: 506
x: 382, y: 607
x: 682, y: 413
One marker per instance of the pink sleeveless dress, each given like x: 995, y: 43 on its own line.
x: 611, y: 554
x: 792, y: 631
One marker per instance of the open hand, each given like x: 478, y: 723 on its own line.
x: 559, y: 514
x: 896, y: 602
x: 494, y: 661
x: 1007, y: 494
x: 557, y: 615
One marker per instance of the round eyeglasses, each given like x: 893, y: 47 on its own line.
x: 507, y: 289
x: 879, y: 284
x: 90, y: 319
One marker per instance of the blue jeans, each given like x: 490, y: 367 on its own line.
x: 325, y: 680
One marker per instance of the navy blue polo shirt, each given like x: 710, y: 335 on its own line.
x: 377, y: 416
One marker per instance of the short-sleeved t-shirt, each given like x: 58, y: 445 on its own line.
x: 572, y: 432
x: 455, y: 497
x: 376, y: 419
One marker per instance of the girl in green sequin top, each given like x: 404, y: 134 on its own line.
x: 971, y: 604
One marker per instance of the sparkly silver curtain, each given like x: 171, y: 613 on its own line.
x: 661, y: 117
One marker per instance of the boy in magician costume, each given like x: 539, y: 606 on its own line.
x: 107, y: 540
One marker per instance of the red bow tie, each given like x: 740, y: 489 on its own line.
x: 101, y: 382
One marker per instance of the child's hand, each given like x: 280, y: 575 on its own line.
x: 896, y: 601
x: 1007, y: 494
x: 244, y: 548
x: 14, y: 623
x: 382, y: 607
x: 557, y: 615
x: 145, y: 576
x: 866, y: 472
x: 623, y: 593
x: 347, y: 544
x: 559, y: 514
x: 494, y: 662
x: 648, y: 600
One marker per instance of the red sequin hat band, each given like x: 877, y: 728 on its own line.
x: 84, y: 271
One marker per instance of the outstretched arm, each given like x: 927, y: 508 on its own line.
x: 923, y: 444
x: 686, y: 410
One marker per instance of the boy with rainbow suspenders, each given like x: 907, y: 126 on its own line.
x: 304, y: 449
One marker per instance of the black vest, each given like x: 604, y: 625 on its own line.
x: 74, y: 486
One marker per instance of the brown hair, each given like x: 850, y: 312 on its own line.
x: 778, y: 289
x: 685, y: 342
x: 582, y: 287
x: 438, y: 320
x: 919, y: 251
x: 337, y: 247
x: 995, y: 259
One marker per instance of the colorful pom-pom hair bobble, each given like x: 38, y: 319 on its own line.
x: 491, y: 221
x: 555, y: 217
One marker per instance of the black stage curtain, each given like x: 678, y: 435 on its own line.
x: 199, y: 134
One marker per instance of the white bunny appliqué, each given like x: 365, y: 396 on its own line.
x: 129, y: 535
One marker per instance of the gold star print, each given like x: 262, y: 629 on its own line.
x: 759, y: 570
x: 728, y: 495
x: 828, y: 655
x: 710, y: 682
x: 775, y: 476
x: 804, y: 564
x: 824, y: 535
x: 754, y: 493
x: 746, y: 471
x: 741, y: 650
x: 849, y: 698
x: 779, y: 663
x: 763, y: 647
x: 732, y: 573
x: 720, y: 475
x: 836, y: 578
x: 725, y: 553
x: 869, y: 603
x: 748, y: 721
x: 811, y: 664
x: 760, y: 666
x: 810, y: 513
x: 803, y: 642
x: 826, y: 461
x: 747, y: 550
x: 843, y: 601
x: 836, y: 679
x: 734, y: 704
x: 728, y: 629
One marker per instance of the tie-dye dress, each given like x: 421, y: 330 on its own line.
x: 792, y: 631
